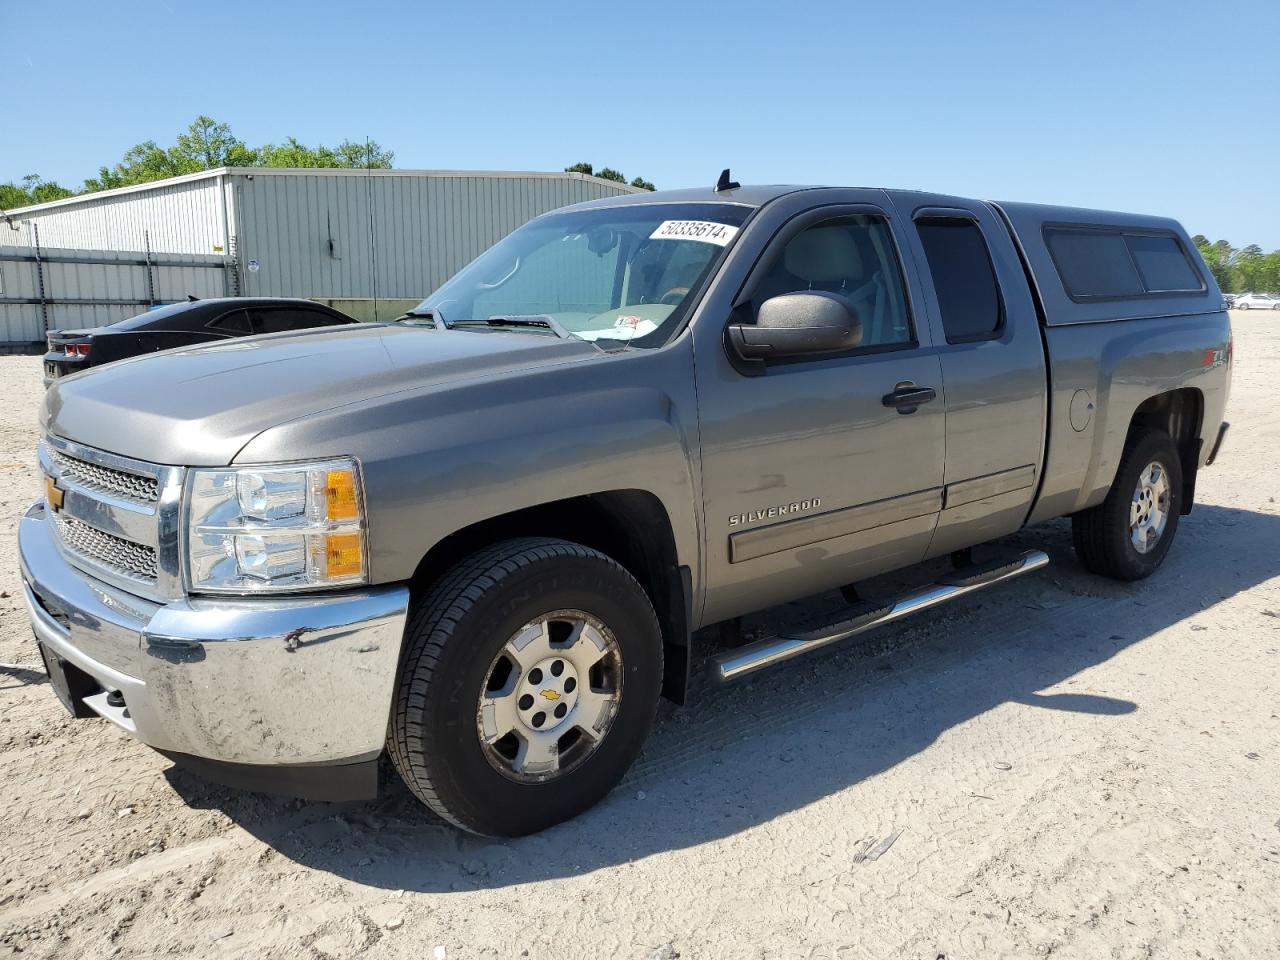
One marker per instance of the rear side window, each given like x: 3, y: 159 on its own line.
x: 963, y: 278
x: 289, y: 319
x: 236, y: 323
x: 1162, y: 264
x: 1100, y: 264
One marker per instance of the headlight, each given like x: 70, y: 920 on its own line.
x: 297, y: 526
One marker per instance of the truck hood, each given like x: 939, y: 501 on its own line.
x: 198, y: 406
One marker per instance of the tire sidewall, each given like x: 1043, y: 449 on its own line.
x: 463, y: 777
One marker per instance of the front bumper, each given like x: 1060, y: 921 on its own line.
x: 289, y: 681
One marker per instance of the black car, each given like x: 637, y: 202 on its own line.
x: 180, y: 325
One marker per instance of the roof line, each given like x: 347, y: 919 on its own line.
x: 19, y: 212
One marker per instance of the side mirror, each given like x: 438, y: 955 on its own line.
x: 795, y: 324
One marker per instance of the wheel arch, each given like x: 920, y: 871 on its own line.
x: 631, y: 526
x: 1180, y: 413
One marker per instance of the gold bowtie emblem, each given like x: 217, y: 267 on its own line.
x: 550, y: 694
x: 53, y: 493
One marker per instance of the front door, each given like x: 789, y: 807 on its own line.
x: 821, y: 471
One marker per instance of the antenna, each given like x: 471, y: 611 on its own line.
x: 725, y: 183
x: 373, y: 244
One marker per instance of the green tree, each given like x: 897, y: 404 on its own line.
x: 207, y: 144
x: 34, y: 189
x: 1251, y: 268
x: 608, y: 173
x: 1217, y: 258
x: 142, y: 162
x: 368, y: 155
x: 347, y: 154
x: 13, y: 196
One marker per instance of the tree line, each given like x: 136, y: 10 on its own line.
x: 1246, y: 269
x: 608, y: 173
x: 204, y: 145
x: 207, y: 144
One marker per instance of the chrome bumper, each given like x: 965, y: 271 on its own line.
x: 279, y: 681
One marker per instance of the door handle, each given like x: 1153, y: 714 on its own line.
x: 906, y: 397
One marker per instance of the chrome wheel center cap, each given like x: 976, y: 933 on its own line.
x: 547, y: 694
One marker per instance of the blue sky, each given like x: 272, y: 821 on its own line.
x: 1161, y: 107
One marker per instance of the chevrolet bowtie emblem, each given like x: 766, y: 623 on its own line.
x: 550, y: 694
x: 53, y: 493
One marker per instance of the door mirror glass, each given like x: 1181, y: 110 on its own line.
x: 798, y: 324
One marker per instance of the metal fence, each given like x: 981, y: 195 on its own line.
x: 43, y: 289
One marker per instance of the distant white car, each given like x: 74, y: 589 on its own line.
x: 1255, y: 301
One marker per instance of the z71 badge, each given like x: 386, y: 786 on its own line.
x: 769, y: 513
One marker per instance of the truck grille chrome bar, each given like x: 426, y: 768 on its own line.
x: 117, y: 483
x: 119, y: 520
x: 124, y: 557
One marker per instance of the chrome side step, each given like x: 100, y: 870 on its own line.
x: 759, y: 654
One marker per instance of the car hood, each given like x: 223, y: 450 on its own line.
x: 198, y: 406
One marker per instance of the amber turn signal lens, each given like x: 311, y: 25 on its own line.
x: 340, y: 492
x: 344, y: 554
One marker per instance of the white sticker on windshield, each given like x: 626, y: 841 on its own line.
x: 707, y: 231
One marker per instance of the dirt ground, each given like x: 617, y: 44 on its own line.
x: 1064, y: 766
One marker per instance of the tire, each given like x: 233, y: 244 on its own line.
x: 1243, y: 306
x: 457, y: 639
x: 1103, y: 535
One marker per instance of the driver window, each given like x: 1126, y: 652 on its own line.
x: 855, y: 258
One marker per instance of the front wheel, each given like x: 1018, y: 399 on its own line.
x: 530, y: 680
x: 1127, y: 536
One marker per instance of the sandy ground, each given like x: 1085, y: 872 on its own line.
x: 1069, y: 767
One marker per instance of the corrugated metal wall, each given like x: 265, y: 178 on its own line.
x: 73, y: 289
x: 179, y: 217
x: 311, y: 234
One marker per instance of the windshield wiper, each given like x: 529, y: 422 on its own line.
x: 435, y: 316
x: 539, y: 320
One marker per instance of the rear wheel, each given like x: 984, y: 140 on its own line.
x: 1127, y: 536
x: 530, y: 680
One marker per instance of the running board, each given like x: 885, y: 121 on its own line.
x: 741, y: 661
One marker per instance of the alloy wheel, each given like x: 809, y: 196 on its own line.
x: 1149, y: 511
x: 550, y: 696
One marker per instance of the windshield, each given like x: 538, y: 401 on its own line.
x: 609, y: 274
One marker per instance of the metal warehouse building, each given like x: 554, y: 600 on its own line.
x: 348, y: 237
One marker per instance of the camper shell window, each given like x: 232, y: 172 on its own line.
x: 1113, y: 263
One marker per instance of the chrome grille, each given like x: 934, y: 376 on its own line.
x: 96, y: 477
x: 124, y: 557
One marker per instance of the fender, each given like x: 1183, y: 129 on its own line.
x: 1121, y: 364
x: 441, y: 459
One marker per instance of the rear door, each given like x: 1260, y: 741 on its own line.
x: 987, y: 336
x: 813, y: 474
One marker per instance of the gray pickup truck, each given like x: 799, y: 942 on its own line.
x: 481, y: 537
